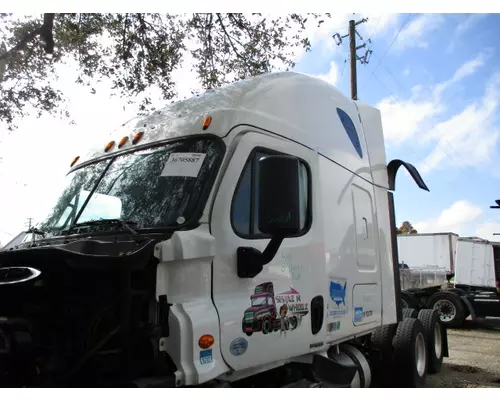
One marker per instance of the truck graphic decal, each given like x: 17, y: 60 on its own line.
x: 269, y: 312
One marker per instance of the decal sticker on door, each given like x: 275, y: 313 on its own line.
x: 338, y: 292
x: 269, y: 312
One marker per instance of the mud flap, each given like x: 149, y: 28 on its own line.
x: 445, y: 342
x: 331, y: 373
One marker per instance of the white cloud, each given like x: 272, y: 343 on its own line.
x: 403, y: 119
x: 465, y: 70
x: 487, y: 229
x: 468, y: 137
x: 414, y: 33
x: 332, y: 75
x: 457, y: 218
x: 462, y: 28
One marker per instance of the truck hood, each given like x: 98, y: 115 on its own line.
x: 85, y: 254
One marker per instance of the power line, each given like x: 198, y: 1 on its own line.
x: 376, y: 26
x: 393, y: 40
x: 435, y: 142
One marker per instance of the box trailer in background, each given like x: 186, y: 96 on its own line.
x: 429, y: 261
x: 476, y: 263
x: 426, y: 259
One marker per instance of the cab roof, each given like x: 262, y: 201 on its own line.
x: 302, y: 108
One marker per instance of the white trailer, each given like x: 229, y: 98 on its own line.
x: 186, y: 251
x: 474, y: 264
x: 426, y: 259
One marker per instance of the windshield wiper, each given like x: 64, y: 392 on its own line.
x: 104, y: 221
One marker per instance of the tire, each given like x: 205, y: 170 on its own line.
x: 381, y: 342
x: 408, y: 300
x: 450, y: 308
x: 410, y: 354
x: 266, y: 326
x: 410, y: 313
x: 434, y: 337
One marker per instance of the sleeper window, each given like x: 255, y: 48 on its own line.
x: 245, y: 209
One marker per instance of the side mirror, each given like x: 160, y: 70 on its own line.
x: 279, y: 211
x: 279, y: 198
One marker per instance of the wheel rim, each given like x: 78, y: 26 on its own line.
x: 420, y: 354
x: 446, y: 310
x: 437, y: 341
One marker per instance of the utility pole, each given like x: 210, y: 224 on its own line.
x: 353, y: 53
x: 29, y: 222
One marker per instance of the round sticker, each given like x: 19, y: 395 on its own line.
x: 238, y: 346
x: 181, y: 220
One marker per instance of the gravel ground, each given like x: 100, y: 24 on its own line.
x: 474, y: 357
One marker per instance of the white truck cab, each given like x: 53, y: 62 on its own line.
x: 231, y: 235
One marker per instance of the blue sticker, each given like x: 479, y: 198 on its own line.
x: 350, y: 130
x: 358, y: 314
x: 206, y: 356
x: 338, y: 291
x: 238, y: 346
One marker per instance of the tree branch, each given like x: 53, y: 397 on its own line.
x: 44, y: 31
x: 221, y: 23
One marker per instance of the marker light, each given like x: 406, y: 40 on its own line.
x: 123, y: 141
x: 137, y: 137
x: 206, y: 341
x: 74, y: 160
x: 109, y: 145
x: 206, y: 122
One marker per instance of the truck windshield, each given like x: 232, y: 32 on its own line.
x: 258, y: 301
x: 159, y: 187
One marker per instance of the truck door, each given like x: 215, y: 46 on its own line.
x: 266, y: 318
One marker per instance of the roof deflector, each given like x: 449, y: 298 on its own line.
x: 392, y: 169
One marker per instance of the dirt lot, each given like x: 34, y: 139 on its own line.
x: 474, y: 357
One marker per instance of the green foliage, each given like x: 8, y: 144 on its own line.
x: 136, y: 52
x: 406, y: 228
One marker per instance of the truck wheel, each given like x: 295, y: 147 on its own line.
x: 434, y: 332
x: 409, y: 313
x: 266, y: 326
x: 381, y: 342
x: 450, y: 308
x: 408, y: 300
x: 410, y: 354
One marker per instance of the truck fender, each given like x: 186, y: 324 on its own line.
x: 469, y: 307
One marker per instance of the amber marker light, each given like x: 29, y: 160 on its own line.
x: 206, y: 122
x: 206, y: 341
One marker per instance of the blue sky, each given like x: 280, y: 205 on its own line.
x: 434, y: 77
x: 438, y: 92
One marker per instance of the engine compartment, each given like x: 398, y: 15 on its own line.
x: 72, y: 316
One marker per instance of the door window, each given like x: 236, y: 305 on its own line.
x: 245, y: 208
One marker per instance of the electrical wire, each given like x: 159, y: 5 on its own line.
x: 387, y: 51
x: 435, y: 142
x: 376, y: 26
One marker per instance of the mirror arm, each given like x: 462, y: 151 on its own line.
x: 271, y: 249
x: 250, y: 261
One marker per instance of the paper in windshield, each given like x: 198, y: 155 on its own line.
x: 184, y: 164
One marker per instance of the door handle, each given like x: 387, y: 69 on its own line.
x: 365, y: 228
